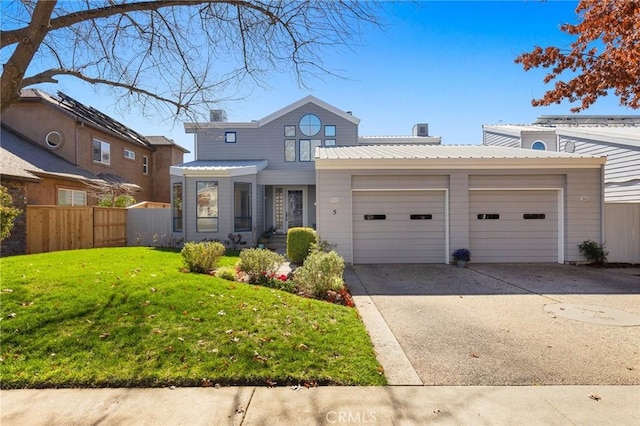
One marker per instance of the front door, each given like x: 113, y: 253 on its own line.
x: 288, y: 208
x: 294, y: 208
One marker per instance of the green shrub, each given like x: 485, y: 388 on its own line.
x: 8, y: 213
x: 299, y: 242
x: 202, y: 257
x: 320, y: 273
x: 259, y: 263
x: 594, y: 252
x: 226, y: 273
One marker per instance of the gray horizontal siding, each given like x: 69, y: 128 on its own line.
x: 497, y: 139
x: 267, y: 142
x: 623, y: 165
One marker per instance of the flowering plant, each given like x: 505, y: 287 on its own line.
x: 462, y: 254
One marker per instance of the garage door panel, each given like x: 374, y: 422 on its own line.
x: 397, y: 238
x: 513, y: 244
x: 511, y: 237
x: 399, y: 226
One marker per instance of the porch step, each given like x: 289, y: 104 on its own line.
x: 278, y: 242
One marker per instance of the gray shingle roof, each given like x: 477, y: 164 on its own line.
x: 21, y: 158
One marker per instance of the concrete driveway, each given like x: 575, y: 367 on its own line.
x: 487, y: 324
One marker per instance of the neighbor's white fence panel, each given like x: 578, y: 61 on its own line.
x: 149, y: 227
x: 622, y: 232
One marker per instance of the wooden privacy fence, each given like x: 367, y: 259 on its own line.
x: 54, y: 228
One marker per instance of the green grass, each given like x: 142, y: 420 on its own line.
x: 131, y: 317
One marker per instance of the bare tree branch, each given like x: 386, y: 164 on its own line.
x: 182, y: 54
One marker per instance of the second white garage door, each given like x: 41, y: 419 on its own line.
x: 398, y: 227
x: 513, y: 226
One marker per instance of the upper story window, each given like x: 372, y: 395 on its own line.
x: 310, y: 125
x: 329, y: 142
x: 289, y: 131
x: 129, y: 154
x: 539, y: 146
x: 145, y: 165
x: 54, y: 140
x: 305, y: 150
x: 101, y: 152
x: 230, y: 137
x: 330, y: 131
x: 290, y: 150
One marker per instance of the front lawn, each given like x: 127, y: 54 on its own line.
x: 131, y: 317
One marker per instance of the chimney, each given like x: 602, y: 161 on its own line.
x: 217, y: 116
x: 421, y: 129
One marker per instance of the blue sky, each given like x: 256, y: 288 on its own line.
x: 449, y: 64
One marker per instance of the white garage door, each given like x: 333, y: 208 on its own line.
x: 398, y: 227
x: 513, y: 226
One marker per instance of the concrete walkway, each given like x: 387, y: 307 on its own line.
x: 397, y: 405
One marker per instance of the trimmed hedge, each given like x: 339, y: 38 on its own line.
x: 299, y: 242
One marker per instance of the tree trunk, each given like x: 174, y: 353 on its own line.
x: 14, y: 70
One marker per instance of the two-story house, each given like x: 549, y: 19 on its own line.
x: 384, y: 199
x: 617, y: 138
x: 95, y: 142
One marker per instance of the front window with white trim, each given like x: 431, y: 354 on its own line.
x: 130, y: 155
x: 72, y: 197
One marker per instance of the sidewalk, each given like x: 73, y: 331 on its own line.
x: 397, y: 405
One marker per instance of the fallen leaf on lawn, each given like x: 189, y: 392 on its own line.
x: 153, y: 290
x: 12, y: 315
x: 181, y: 339
x: 260, y: 359
x: 27, y: 303
x: 196, y: 319
x: 303, y: 347
x: 271, y: 383
x: 229, y: 331
x: 595, y: 396
x: 236, y: 339
x: 310, y: 384
x: 474, y: 355
x: 169, y: 348
x: 104, y: 335
x: 206, y: 382
x: 222, y: 313
x: 89, y: 321
x: 145, y: 303
x: 8, y: 290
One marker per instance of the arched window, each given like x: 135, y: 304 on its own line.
x: 539, y: 146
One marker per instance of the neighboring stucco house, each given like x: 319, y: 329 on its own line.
x: 617, y: 138
x: 95, y: 142
x: 40, y: 180
x: 384, y: 201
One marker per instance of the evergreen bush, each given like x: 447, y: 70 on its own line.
x: 320, y: 273
x: 202, y: 257
x: 299, y: 241
x: 594, y: 252
x: 259, y: 263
